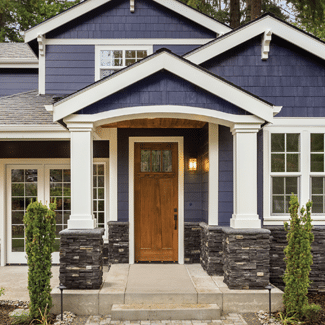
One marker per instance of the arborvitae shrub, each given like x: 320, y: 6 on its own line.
x: 298, y: 259
x: 40, y: 234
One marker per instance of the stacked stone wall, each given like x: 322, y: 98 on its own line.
x: 81, y: 258
x: 246, y: 258
x: 192, y: 242
x: 118, y: 242
x: 211, y: 257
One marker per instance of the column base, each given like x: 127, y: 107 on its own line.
x: 245, y: 221
x: 81, y: 258
x: 81, y: 222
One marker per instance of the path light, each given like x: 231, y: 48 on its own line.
x: 61, y: 287
x: 269, y: 287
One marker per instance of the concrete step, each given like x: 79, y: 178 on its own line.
x: 165, y: 312
x: 161, y: 298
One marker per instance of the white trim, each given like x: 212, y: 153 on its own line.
x: 123, y: 48
x: 127, y: 41
x: 258, y: 27
x: 151, y: 65
x: 19, y: 63
x: 87, y: 6
x: 164, y: 111
x: 303, y: 126
x: 180, y: 141
x: 213, y: 200
x: 3, y: 219
x: 266, y: 40
x: 42, y: 62
x: 113, y: 177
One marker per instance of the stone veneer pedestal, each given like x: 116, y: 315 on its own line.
x: 246, y: 258
x: 118, y: 242
x: 81, y: 258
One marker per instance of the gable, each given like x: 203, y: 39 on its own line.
x: 291, y: 77
x: 114, y: 20
x: 162, y: 88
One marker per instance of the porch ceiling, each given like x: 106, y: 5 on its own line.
x: 163, y: 123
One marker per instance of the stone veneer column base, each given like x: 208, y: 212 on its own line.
x: 211, y: 249
x: 192, y: 242
x: 81, y: 258
x: 246, y: 258
x: 118, y: 242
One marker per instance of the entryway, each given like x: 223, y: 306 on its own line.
x: 156, y: 202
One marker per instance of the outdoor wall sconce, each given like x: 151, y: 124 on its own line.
x: 192, y: 164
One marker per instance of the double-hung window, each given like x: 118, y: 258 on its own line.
x: 285, y: 170
x: 110, y: 59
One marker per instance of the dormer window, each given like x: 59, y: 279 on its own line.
x: 112, y: 58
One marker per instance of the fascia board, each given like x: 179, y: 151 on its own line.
x: 244, y: 34
x: 18, y: 63
x: 87, y: 6
x: 62, y: 18
x: 195, y: 16
x: 174, y: 65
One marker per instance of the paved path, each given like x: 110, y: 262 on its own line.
x: 230, y: 319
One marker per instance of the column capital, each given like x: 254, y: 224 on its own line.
x: 80, y: 126
x: 244, y: 128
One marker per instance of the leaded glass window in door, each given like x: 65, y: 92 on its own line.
x: 156, y: 161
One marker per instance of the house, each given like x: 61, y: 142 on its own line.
x: 164, y: 135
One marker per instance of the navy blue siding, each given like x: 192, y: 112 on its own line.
x: 69, y: 68
x: 162, y: 88
x: 225, y: 175
x: 192, y: 181
x: 114, y: 20
x: 177, y: 49
x: 260, y: 174
x: 204, y: 155
x: 14, y: 81
x: 290, y: 77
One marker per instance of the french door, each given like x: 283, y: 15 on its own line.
x: 45, y: 183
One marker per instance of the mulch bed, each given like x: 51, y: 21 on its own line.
x: 5, y: 320
x: 318, y: 299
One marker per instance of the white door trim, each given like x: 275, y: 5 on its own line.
x: 180, y: 142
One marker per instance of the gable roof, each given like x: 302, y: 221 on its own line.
x: 88, y: 5
x: 17, y: 55
x: 267, y: 22
x: 164, y: 60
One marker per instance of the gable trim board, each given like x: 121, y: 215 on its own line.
x: 258, y: 27
x: 19, y: 63
x: 163, y: 60
x: 86, y: 6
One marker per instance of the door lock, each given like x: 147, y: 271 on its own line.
x: 175, y: 218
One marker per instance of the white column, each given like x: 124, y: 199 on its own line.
x: 213, y: 174
x: 81, y: 176
x: 245, y: 177
x: 113, y: 175
x: 41, y: 64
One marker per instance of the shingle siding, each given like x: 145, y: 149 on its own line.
x: 69, y: 68
x: 13, y: 81
x: 290, y: 77
x: 114, y: 20
x: 162, y: 88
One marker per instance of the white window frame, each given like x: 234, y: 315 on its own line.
x: 98, y: 48
x: 43, y: 166
x: 304, y: 127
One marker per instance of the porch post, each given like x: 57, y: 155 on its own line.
x: 81, y: 176
x: 245, y: 176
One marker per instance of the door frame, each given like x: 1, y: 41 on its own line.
x: 180, y: 142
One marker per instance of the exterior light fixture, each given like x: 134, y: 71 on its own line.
x: 192, y: 164
x: 62, y: 287
x: 269, y: 287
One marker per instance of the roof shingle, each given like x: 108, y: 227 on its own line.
x: 16, y: 51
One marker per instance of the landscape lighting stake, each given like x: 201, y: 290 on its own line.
x: 61, y: 287
x: 269, y: 287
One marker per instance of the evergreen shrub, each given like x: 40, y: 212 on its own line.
x: 298, y: 259
x: 40, y: 234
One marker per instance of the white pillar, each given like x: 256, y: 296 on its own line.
x: 81, y: 161
x: 245, y: 177
x: 213, y: 174
x: 113, y: 175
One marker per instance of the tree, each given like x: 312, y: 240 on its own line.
x: 19, y: 15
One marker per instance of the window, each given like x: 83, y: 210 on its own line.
x: 317, y: 152
x: 112, y: 58
x: 285, y: 161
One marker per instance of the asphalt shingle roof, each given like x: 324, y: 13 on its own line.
x: 16, y: 51
x: 26, y: 109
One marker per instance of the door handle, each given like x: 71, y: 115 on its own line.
x: 175, y: 218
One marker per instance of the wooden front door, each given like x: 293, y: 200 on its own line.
x: 156, y: 202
